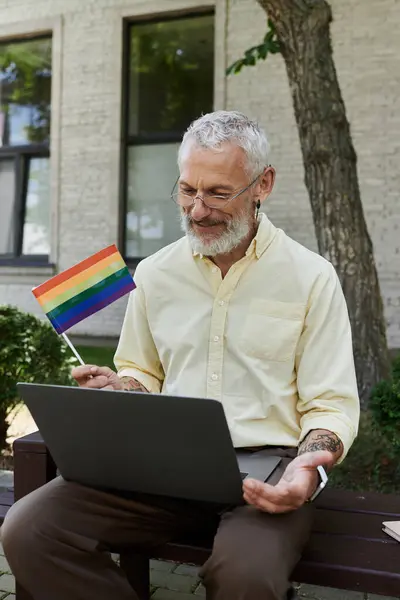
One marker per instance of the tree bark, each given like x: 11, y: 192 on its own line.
x: 330, y: 162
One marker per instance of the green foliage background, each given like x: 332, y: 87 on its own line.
x: 31, y: 352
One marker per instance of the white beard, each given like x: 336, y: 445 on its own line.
x: 238, y: 228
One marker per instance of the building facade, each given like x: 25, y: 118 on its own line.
x: 95, y: 95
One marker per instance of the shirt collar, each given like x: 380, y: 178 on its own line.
x: 263, y: 238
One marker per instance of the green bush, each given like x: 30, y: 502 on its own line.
x: 396, y: 368
x: 385, y: 409
x: 30, y: 351
x: 371, y: 464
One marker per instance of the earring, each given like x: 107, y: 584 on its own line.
x: 258, y: 207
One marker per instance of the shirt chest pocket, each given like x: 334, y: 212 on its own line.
x: 271, y: 329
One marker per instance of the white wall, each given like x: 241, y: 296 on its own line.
x: 86, y: 126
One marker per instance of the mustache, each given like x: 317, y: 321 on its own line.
x: 205, y: 222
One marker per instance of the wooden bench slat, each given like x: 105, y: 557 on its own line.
x: 368, y: 502
x: 368, y: 526
x: 354, y: 552
x: 332, y: 575
x: 7, y: 497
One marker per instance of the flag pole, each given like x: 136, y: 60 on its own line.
x: 74, y: 350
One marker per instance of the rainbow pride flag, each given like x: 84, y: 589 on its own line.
x: 84, y: 289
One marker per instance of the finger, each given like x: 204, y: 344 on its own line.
x: 83, y: 372
x: 276, y: 494
x: 98, y: 382
x: 266, y: 506
x: 106, y: 371
x: 282, y: 495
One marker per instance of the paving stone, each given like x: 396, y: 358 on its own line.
x: 375, y: 597
x: 171, y: 595
x: 192, y: 570
x: 316, y: 592
x: 6, y: 478
x: 162, y: 565
x: 200, y: 591
x: 7, y: 583
x: 162, y: 594
x: 172, y: 581
x: 4, y: 566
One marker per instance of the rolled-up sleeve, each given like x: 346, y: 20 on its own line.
x: 326, y: 378
x: 136, y: 354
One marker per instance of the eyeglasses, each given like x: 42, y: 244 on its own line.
x: 187, y: 198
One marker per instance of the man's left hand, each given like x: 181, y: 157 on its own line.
x: 297, y: 484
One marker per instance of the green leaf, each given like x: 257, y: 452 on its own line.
x: 270, y: 45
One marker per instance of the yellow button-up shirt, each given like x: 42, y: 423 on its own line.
x: 271, y: 341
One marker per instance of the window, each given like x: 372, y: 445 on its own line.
x: 25, y: 101
x: 170, y: 83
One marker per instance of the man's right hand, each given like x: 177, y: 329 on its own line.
x: 100, y: 378
x: 104, y: 378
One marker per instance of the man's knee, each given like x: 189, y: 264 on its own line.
x: 18, y: 533
x: 237, y: 571
x: 26, y: 530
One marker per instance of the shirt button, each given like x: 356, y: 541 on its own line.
x: 214, y: 269
x: 214, y: 377
x: 216, y: 338
x: 221, y: 302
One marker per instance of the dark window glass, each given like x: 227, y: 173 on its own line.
x: 171, y: 74
x: 171, y: 83
x: 36, y: 232
x: 25, y: 110
x: 7, y: 205
x: 25, y: 92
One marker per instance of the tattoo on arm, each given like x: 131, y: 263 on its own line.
x: 321, y: 440
x: 130, y: 384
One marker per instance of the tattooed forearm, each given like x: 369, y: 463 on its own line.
x: 130, y: 384
x: 321, y: 439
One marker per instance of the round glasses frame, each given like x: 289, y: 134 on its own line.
x: 220, y: 201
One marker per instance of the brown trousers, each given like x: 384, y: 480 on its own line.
x: 57, y: 541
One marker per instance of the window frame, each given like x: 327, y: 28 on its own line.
x: 128, y: 140
x: 22, y: 154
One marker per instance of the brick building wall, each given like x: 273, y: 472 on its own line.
x: 86, y: 107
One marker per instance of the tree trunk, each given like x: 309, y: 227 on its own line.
x: 330, y: 162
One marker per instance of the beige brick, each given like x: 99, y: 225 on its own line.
x: 366, y: 49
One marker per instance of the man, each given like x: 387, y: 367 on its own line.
x: 234, y: 311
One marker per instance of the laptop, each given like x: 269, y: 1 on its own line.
x: 148, y: 443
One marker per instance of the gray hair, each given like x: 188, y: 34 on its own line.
x: 216, y: 128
